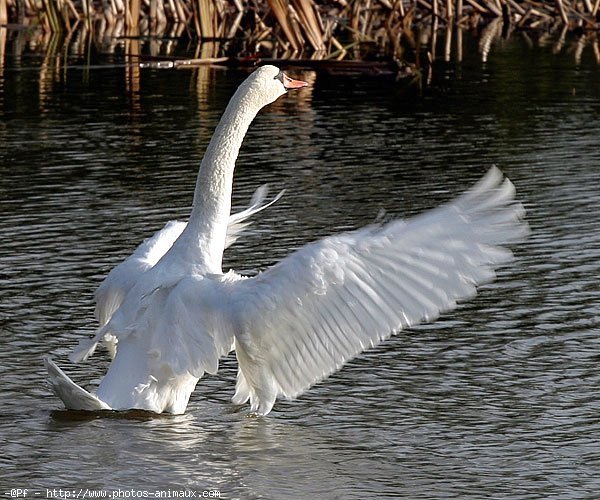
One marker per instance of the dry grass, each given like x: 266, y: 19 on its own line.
x: 294, y: 29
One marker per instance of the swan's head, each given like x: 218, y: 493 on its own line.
x: 267, y: 84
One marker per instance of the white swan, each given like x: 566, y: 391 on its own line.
x: 121, y: 279
x: 174, y: 314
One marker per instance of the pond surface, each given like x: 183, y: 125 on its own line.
x: 499, y: 398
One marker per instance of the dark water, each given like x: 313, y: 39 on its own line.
x: 500, y: 398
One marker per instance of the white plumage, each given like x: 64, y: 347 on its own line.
x: 121, y: 279
x: 168, y: 313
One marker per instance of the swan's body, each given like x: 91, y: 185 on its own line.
x: 168, y: 313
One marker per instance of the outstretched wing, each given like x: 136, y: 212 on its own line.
x: 305, y: 317
x: 120, y: 280
x: 112, y: 291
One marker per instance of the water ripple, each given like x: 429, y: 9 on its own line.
x: 498, y: 398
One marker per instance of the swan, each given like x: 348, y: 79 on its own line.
x: 168, y: 313
x: 120, y: 280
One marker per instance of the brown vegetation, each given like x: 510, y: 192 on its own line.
x: 292, y: 29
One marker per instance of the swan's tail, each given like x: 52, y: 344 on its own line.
x: 73, y: 396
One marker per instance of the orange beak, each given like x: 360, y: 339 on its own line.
x: 288, y: 83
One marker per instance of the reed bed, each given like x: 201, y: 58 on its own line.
x: 393, y: 37
x: 297, y: 29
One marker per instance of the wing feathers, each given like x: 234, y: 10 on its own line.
x: 327, y: 302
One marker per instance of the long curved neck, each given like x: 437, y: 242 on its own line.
x: 206, y: 231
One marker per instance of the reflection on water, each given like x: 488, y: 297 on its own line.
x: 498, y: 398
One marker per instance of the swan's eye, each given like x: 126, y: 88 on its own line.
x: 279, y: 76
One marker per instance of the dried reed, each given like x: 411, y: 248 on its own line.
x: 325, y: 29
